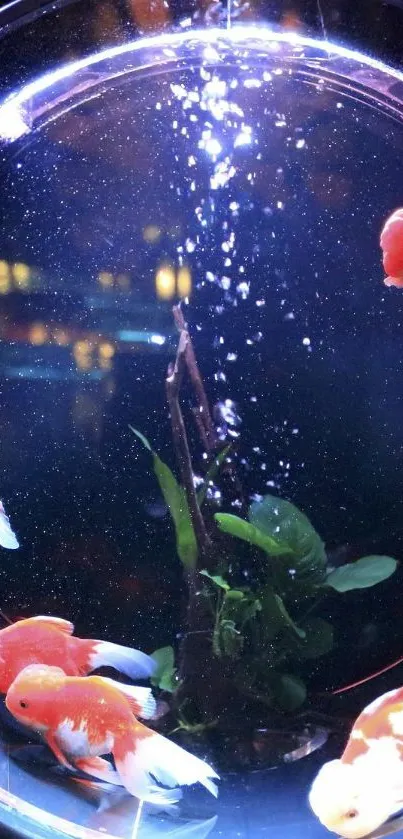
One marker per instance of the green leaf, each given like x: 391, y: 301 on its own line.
x: 318, y: 638
x: 227, y: 640
x: 235, y: 526
x: 363, y: 573
x: 287, y: 617
x: 216, y: 579
x: 211, y: 473
x: 289, y: 692
x: 165, y: 674
x: 240, y: 609
x: 281, y: 520
x: 275, y: 616
x: 175, y: 499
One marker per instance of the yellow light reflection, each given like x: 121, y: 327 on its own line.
x: 106, y: 351
x: 82, y: 355
x: 184, y: 281
x: 21, y: 275
x: 123, y: 281
x: 151, y: 233
x: 38, y: 334
x: 5, y: 283
x: 165, y: 282
x: 105, y: 279
x: 61, y: 337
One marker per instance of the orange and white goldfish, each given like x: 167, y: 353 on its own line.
x: 49, y: 640
x: 391, y: 242
x: 82, y: 718
x: 355, y: 795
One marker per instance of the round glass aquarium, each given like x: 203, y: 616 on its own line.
x: 201, y: 397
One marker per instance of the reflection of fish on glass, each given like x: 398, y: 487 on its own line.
x: 356, y: 794
x: 83, y: 718
x: 8, y: 538
x: 31, y: 797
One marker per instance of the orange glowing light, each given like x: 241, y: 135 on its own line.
x: 165, y: 282
x: 151, y: 233
x: 5, y: 283
x: 149, y: 15
x: 38, y: 334
x: 184, y: 281
x: 21, y: 275
x: 106, y: 350
x: 61, y: 337
x: 105, y: 279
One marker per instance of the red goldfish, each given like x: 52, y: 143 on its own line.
x: 82, y: 718
x: 47, y: 640
x: 392, y: 245
x: 355, y: 795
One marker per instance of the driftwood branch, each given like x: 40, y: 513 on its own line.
x: 201, y: 413
x: 180, y: 440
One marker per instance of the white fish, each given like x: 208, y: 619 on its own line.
x: 8, y: 538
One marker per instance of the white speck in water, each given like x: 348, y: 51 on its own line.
x: 306, y: 342
x: 243, y: 139
x: 243, y: 290
x: 252, y: 83
x: 232, y: 356
x: 300, y: 144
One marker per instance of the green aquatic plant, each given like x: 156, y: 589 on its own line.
x: 268, y: 627
x: 165, y: 676
x: 243, y: 636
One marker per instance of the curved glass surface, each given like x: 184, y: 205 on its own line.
x: 200, y: 393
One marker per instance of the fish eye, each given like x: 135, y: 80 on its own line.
x: 352, y: 814
x: 23, y: 704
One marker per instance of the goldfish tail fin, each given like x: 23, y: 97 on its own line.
x: 133, y: 663
x: 141, y: 700
x: 131, y: 764
x: 146, y: 753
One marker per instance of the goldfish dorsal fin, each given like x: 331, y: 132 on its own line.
x: 56, y: 623
x: 141, y: 700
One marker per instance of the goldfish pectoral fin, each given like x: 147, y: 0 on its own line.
x: 51, y: 742
x: 99, y: 768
